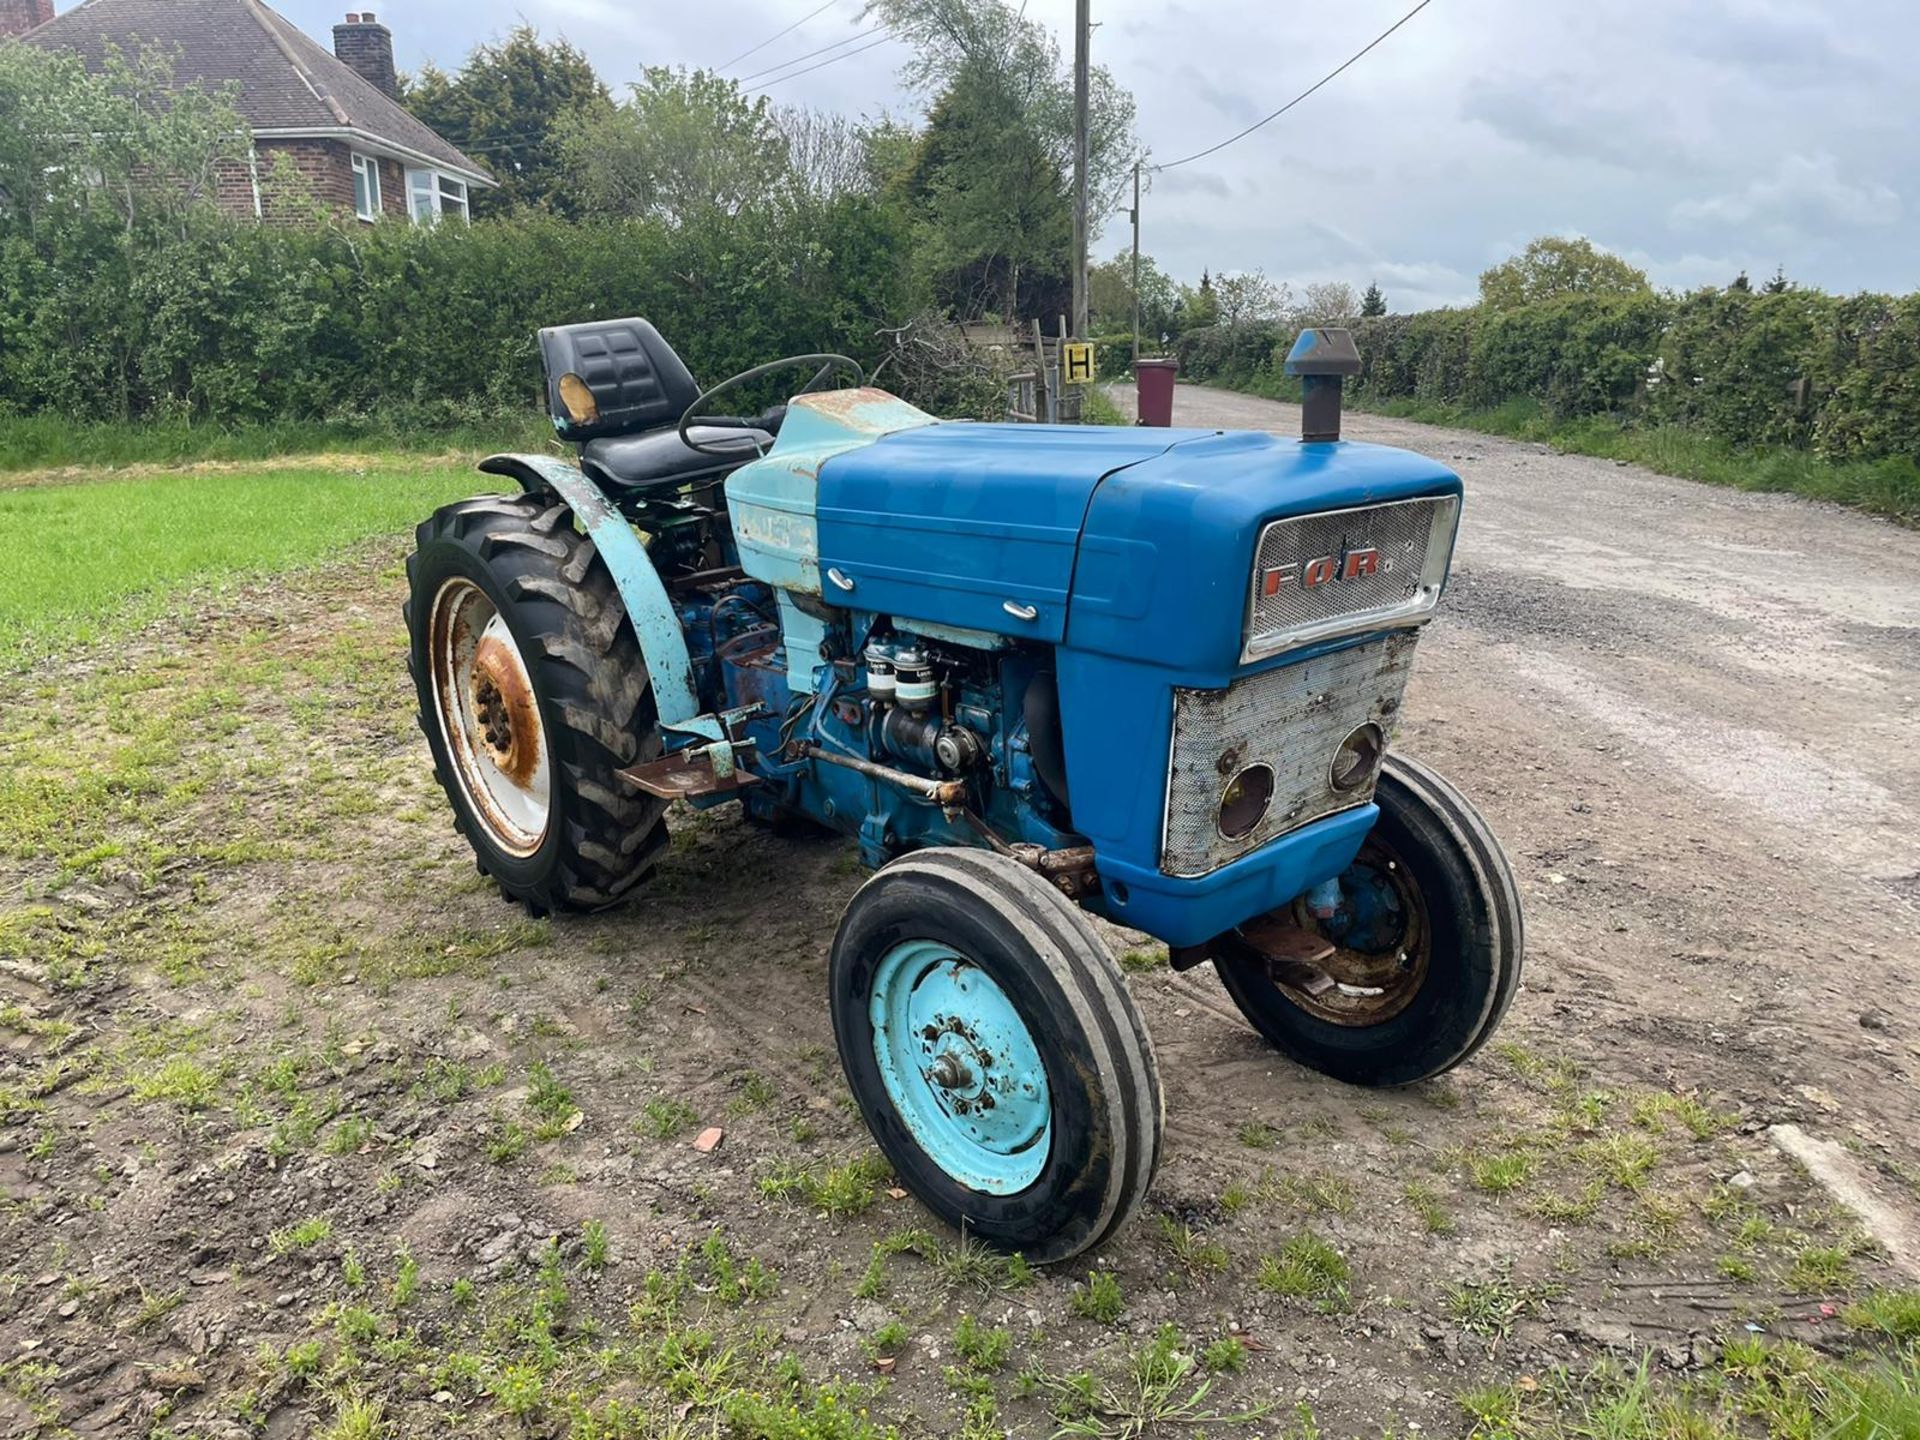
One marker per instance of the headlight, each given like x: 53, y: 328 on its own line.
x: 1358, y: 757
x: 1245, y: 801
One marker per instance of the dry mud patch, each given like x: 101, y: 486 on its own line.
x: 304, y: 1127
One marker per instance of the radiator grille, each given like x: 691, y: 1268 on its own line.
x: 1343, y: 571
x: 1291, y: 719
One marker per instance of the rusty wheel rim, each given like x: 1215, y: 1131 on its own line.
x: 1374, y: 984
x: 489, y: 718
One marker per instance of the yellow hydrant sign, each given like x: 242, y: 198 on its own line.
x: 1076, y: 363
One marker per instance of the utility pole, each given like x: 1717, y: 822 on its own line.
x: 1135, y: 212
x: 1082, y: 37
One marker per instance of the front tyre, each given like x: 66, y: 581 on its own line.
x: 994, y: 1050
x: 533, y: 694
x: 1428, y: 944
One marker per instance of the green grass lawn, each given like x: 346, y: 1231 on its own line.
x: 82, y: 560
x: 42, y: 442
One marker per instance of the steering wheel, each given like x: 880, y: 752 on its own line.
x: 691, y: 416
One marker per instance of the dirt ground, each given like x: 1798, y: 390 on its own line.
x: 303, y: 1130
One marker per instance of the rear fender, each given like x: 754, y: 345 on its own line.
x: 655, y: 624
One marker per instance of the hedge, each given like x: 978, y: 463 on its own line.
x: 231, y: 321
x: 1837, y: 375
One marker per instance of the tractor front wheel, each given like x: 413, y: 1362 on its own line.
x: 1427, y: 946
x: 533, y: 693
x: 994, y: 1050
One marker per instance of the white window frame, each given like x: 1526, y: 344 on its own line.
x: 366, y: 177
x: 432, y: 194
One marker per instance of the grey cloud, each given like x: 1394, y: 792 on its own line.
x: 1803, y: 191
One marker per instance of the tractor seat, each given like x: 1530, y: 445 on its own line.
x: 659, y: 457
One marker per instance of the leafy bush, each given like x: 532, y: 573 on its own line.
x: 231, y: 321
x: 1837, y: 376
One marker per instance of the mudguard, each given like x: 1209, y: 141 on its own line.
x: 657, y: 627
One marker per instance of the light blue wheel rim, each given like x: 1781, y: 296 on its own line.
x: 961, y: 1068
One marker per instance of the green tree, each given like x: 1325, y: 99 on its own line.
x: 1551, y: 267
x: 1328, y: 302
x: 1373, y: 304
x: 681, y: 144
x: 1248, y: 297
x: 503, y: 108
x: 1200, y: 306
x: 991, y: 183
x: 1110, y: 296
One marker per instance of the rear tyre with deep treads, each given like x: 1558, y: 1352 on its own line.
x: 1441, y: 985
x: 990, y: 1041
x: 533, y: 693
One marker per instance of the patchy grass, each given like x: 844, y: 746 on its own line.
x: 1308, y: 1268
x: 81, y: 561
x: 1099, y: 1299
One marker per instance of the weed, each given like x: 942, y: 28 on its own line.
x: 1148, y: 959
x: 550, y: 1100
x: 981, y: 1348
x: 1562, y: 1209
x: 890, y: 1339
x: 182, y: 1081
x: 1821, y: 1269
x: 406, y: 1278
x: 507, y: 1142
x: 845, y: 1189
x: 665, y: 1118
x: 348, y: 1137
x: 1227, y: 1354
x: 1427, y: 1204
x: 1620, y: 1158
x: 593, y: 1245
x: 353, y: 1271
x: 756, y: 1093
x: 1893, y: 1313
x: 303, y: 1236
x: 1490, y: 1307
x: 1195, y: 1254
x: 1308, y: 1268
x: 1497, y: 1174
x: 1258, y: 1135
x: 1099, y: 1299
x: 1318, y: 1193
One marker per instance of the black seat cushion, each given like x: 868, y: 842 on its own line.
x: 638, y: 383
x: 655, y: 457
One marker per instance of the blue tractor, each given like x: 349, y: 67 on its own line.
x: 1037, y: 673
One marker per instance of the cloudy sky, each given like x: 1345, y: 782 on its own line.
x: 1696, y: 137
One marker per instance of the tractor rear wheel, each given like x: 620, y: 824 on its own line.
x: 533, y: 693
x: 1427, y: 945
x: 993, y: 1048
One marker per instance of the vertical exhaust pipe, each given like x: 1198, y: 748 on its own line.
x: 1322, y: 359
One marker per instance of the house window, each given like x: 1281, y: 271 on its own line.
x: 366, y: 187
x: 431, y: 194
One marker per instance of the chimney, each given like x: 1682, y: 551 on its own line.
x: 364, y: 46
x: 19, y: 16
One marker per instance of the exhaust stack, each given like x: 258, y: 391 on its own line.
x: 1322, y: 359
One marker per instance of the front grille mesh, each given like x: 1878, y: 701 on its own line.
x: 1401, y: 533
x: 1292, y: 719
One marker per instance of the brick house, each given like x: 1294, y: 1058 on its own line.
x: 335, y: 117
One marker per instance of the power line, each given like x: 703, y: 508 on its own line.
x: 776, y: 35
x: 846, y: 55
x: 858, y: 35
x: 1331, y: 74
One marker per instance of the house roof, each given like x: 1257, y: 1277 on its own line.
x: 289, y: 85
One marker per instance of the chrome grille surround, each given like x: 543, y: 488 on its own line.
x: 1291, y: 718
x: 1413, y: 541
